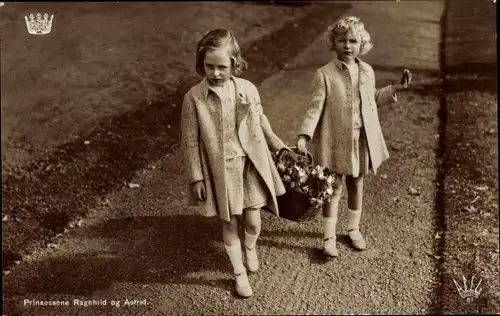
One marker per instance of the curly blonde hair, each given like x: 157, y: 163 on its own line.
x: 357, y: 27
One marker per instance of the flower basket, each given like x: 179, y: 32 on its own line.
x: 308, y: 187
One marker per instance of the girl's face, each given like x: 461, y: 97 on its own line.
x: 217, y: 66
x: 347, y: 46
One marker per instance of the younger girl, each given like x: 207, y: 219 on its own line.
x: 227, y: 140
x: 342, y: 120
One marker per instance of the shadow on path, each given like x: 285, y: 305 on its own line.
x: 140, y: 250
x: 180, y: 249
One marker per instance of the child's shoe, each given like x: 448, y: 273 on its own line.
x: 357, y: 240
x: 252, y: 259
x: 330, y: 249
x: 243, y: 287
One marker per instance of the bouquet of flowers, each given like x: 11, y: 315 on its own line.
x: 308, y: 186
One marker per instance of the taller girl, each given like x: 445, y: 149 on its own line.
x: 342, y: 120
x: 227, y: 140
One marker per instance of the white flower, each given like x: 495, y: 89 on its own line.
x: 281, y: 166
x: 329, y: 190
x: 330, y: 179
x: 304, y: 178
x: 301, y: 171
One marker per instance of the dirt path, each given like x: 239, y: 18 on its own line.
x: 142, y: 244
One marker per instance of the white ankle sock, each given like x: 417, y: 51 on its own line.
x: 330, y: 225
x: 353, y: 218
x: 250, y: 240
x: 234, y: 253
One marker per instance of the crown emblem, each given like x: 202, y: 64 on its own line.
x: 468, y: 292
x: 39, y: 26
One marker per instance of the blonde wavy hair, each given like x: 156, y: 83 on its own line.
x: 354, y: 24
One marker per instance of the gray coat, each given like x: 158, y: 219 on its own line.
x: 329, y: 119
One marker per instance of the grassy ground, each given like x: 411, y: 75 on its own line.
x: 470, y: 158
x: 86, y: 106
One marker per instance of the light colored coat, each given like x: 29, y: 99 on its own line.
x: 329, y: 118
x: 202, y: 142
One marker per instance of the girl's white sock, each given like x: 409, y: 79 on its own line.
x: 353, y: 218
x: 235, y: 256
x: 330, y: 225
x: 250, y: 240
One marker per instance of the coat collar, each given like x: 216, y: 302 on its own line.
x: 363, y: 69
x: 206, y: 88
x: 242, y: 99
x: 343, y: 66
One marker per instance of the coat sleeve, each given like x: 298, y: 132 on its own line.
x: 316, y: 105
x: 385, y: 95
x: 273, y: 141
x: 190, y: 139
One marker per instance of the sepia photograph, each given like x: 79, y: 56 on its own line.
x: 249, y: 158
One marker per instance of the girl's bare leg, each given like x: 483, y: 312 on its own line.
x: 355, y: 192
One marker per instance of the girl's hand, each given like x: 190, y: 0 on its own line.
x: 199, y: 191
x: 404, y: 82
x: 286, y: 148
x: 301, y: 142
